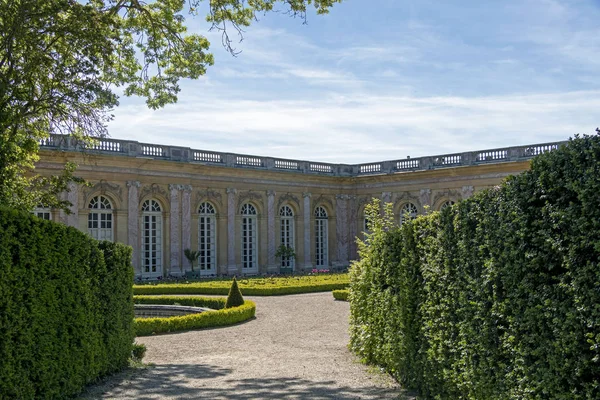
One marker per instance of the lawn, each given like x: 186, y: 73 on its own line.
x: 253, y: 286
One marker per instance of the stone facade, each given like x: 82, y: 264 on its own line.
x: 180, y: 179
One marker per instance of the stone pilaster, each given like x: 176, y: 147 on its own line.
x: 467, y: 191
x: 352, y: 226
x: 425, y: 198
x: 133, y: 224
x: 175, y: 230
x: 186, y: 220
x: 271, y: 265
x: 231, y: 265
x: 307, y: 212
x: 341, y: 229
x: 73, y: 198
x: 386, y: 197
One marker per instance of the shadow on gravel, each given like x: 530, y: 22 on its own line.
x: 194, y: 382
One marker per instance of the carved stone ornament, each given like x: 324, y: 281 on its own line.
x: 249, y: 195
x: 209, y: 195
x: 405, y: 197
x: 153, y: 190
x: 288, y: 198
x: 453, y: 195
x: 323, y: 200
x: 103, y: 187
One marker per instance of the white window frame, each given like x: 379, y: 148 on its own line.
x: 43, y: 213
x: 152, y: 243
x: 207, y: 239
x: 447, y: 203
x: 410, y: 209
x: 249, y: 239
x: 286, y: 234
x: 101, y: 218
x: 321, y: 237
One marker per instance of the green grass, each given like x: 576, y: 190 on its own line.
x: 272, y: 286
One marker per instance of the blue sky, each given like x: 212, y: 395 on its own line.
x: 385, y: 79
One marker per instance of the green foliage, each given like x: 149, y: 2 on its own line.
x: 251, y: 286
x: 285, y: 252
x: 62, y: 63
x: 495, y: 298
x: 221, y: 316
x: 66, y: 314
x: 341, y: 294
x: 138, y: 352
x: 191, y: 256
x: 234, y: 298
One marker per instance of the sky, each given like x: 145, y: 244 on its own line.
x: 386, y: 79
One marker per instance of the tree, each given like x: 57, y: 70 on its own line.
x: 62, y: 62
x: 191, y: 256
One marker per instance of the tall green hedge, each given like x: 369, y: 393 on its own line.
x: 497, y: 297
x: 66, y: 309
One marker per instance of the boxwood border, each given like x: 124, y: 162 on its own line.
x: 209, y: 319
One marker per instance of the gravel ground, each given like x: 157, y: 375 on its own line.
x: 294, y: 349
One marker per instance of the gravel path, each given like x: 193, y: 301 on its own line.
x: 294, y: 349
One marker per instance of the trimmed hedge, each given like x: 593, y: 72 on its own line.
x: 251, y: 286
x: 497, y: 297
x: 341, y: 294
x: 221, y: 316
x: 234, y: 298
x: 66, y: 311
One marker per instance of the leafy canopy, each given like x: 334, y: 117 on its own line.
x: 62, y: 62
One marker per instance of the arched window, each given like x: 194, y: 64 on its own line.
x: 100, y: 218
x: 249, y: 239
x: 287, y: 234
x: 407, y: 212
x: 152, y: 238
x: 207, y: 239
x: 43, y: 212
x: 321, y: 237
x: 448, y: 203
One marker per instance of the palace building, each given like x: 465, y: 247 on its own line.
x: 237, y: 209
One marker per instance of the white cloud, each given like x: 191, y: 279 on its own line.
x: 369, y: 128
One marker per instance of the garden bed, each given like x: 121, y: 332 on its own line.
x: 219, y: 316
x: 269, y: 286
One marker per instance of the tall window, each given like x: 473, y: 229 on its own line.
x: 287, y: 234
x: 100, y: 218
x: 42, y: 212
x: 152, y: 238
x: 407, y: 212
x: 321, y: 238
x: 207, y: 239
x: 249, y: 239
x: 448, y: 203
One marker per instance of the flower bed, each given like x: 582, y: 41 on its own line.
x: 271, y: 286
x: 220, y: 316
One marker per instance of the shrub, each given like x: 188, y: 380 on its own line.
x: 340, y: 295
x: 495, y: 298
x: 270, y: 286
x: 207, y: 319
x: 234, y: 298
x: 66, y: 313
x: 138, y: 352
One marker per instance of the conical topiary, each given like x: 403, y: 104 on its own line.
x: 234, y: 298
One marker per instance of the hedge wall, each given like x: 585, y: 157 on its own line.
x: 221, y: 316
x: 66, y: 309
x: 497, y: 297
